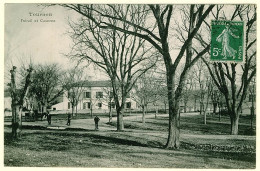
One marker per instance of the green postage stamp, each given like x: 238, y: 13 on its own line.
x: 227, y: 41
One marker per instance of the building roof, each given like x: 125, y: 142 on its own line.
x: 102, y: 83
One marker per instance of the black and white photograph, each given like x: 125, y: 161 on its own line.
x: 161, y: 85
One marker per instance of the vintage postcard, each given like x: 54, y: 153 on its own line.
x: 140, y: 85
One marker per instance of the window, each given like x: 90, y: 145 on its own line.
x: 99, y: 105
x: 68, y: 105
x: 112, y: 105
x: 110, y: 94
x: 128, y: 105
x: 87, y: 94
x: 99, y: 94
x: 89, y: 105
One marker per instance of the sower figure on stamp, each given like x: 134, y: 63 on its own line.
x: 224, y: 38
x: 96, y: 119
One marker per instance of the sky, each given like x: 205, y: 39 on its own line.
x: 42, y: 42
x: 41, y: 39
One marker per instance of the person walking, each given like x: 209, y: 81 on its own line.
x: 69, y: 119
x: 96, y: 120
x: 49, y: 118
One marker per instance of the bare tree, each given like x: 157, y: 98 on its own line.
x: 109, y: 101
x: 160, y: 17
x: 252, y: 99
x: 201, y: 77
x: 205, y: 87
x: 233, y: 79
x: 18, y: 100
x: 159, y: 95
x: 209, y: 84
x: 187, y: 91
x: 216, y: 99
x: 46, y: 85
x: 73, y: 84
x: 146, y: 91
x: 123, y: 57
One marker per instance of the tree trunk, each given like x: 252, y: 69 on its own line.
x: 45, y: 108
x: 201, y: 107
x: 205, y: 110
x: 110, y: 115
x: 17, y: 105
x: 143, y: 116
x: 165, y: 108
x: 72, y: 110
x: 174, y: 130
x: 219, y: 112
x: 252, y: 111
x: 16, y: 121
x: 91, y: 110
x: 120, y: 122
x: 195, y: 106
x: 72, y: 114
x: 185, y: 107
x: 234, y: 125
x: 16, y: 113
x: 205, y: 117
x: 206, y: 107
x: 214, y: 107
x: 179, y: 117
x: 156, y: 112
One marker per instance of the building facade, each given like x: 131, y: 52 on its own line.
x: 95, y: 96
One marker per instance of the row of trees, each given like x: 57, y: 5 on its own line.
x: 131, y: 22
x: 233, y: 79
x: 118, y: 39
x: 126, y: 41
x: 39, y: 86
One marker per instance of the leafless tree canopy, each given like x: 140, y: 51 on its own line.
x: 180, y: 34
x: 46, y: 84
x: 124, y: 57
x: 233, y: 79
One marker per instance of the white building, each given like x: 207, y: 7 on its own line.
x: 7, y: 106
x: 95, y: 93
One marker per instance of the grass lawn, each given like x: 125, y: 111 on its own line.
x: 139, y: 146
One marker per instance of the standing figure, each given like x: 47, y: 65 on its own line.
x: 49, y: 118
x: 96, y: 119
x: 224, y: 38
x: 69, y: 119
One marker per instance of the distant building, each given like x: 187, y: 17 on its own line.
x: 7, y: 100
x: 95, y: 93
x: 7, y: 103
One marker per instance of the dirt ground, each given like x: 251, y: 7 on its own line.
x: 138, y: 146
